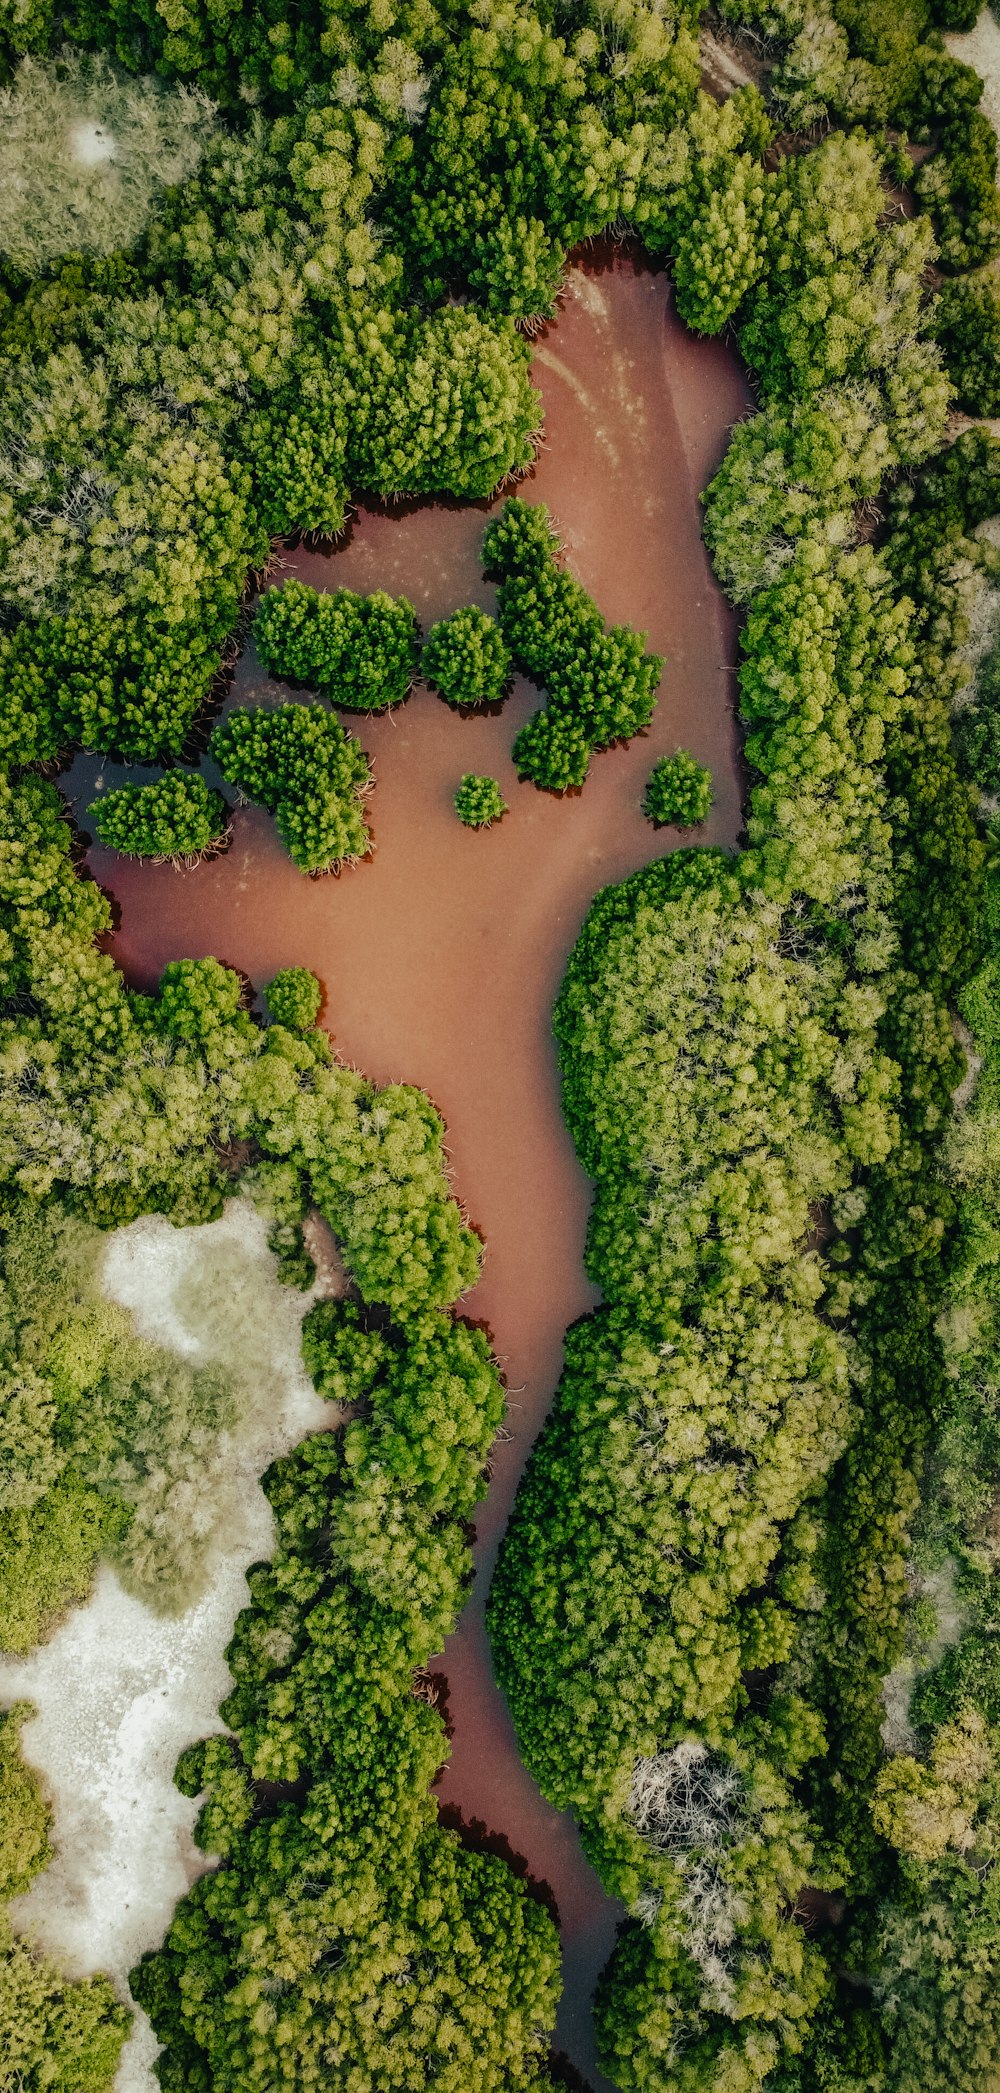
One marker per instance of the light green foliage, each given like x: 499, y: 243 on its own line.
x: 85, y: 151
x: 600, y: 684
x: 308, y: 771
x: 678, y: 790
x: 479, y: 801
x: 293, y: 998
x: 121, y: 1419
x: 465, y: 659
x: 704, y: 198
x: 30, y: 1459
x: 55, y: 2037
x: 790, y: 472
x: 359, y: 652
x: 841, y: 296
x: 925, y: 1810
x: 176, y: 816
x: 24, y: 1814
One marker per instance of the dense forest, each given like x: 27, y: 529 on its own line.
x: 255, y: 261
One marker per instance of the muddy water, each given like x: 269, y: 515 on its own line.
x: 441, y: 957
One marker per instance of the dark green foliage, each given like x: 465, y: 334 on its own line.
x: 678, y: 790
x: 534, y: 139
x: 177, y: 816
x: 601, y: 685
x: 293, y: 998
x: 479, y: 801
x: 303, y: 766
x: 465, y: 659
x: 958, y: 188
x: 967, y: 329
x: 359, y: 652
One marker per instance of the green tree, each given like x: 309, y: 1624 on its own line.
x: 176, y: 816
x: 479, y: 801
x: 678, y: 790
x: 293, y: 998
x: 359, y: 652
x: 465, y: 659
x: 303, y: 766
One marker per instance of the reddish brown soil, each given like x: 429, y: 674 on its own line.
x: 441, y: 957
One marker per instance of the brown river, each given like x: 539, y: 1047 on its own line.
x: 441, y: 956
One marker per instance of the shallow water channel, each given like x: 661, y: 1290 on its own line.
x: 442, y: 955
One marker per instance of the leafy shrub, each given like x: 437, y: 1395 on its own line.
x: 440, y: 406
x: 359, y: 652
x: 678, y: 790
x: 479, y: 801
x: 465, y: 659
x: 293, y: 998
x: 176, y: 816
x: 303, y: 766
x: 601, y: 685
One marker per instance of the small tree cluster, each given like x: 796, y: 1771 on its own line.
x: 479, y: 801
x: 359, y: 652
x: 967, y: 329
x: 601, y: 684
x: 303, y: 766
x: 678, y: 791
x: 465, y: 659
x: 176, y: 816
x: 293, y: 998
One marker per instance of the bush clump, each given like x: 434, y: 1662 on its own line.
x: 601, y: 684
x: 479, y: 801
x: 678, y: 791
x: 294, y: 998
x: 303, y: 766
x: 176, y: 816
x: 466, y: 660
x: 357, y: 651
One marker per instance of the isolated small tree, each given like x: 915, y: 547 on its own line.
x: 479, y: 801
x: 678, y: 791
x: 176, y: 816
x: 466, y: 660
x: 293, y: 998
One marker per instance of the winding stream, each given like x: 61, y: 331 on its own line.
x: 442, y: 955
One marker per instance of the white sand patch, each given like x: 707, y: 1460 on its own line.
x: 120, y: 1691
x: 90, y: 144
x: 980, y: 47
x: 940, y: 1586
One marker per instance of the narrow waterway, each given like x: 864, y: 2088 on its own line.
x: 441, y: 956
